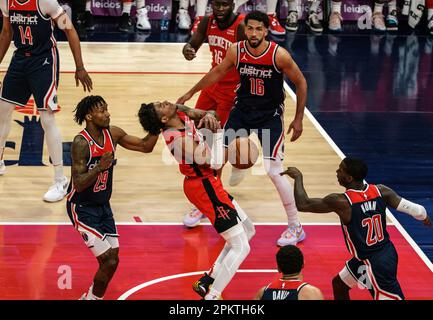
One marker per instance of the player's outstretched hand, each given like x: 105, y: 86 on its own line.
x: 82, y: 76
x: 106, y: 160
x: 296, y: 126
x: 189, y: 53
x: 184, y: 98
x: 427, y: 221
x: 209, y: 122
x: 292, y: 172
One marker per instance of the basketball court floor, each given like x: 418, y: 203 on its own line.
x: 159, y: 258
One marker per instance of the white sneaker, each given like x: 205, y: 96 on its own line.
x: 237, y: 176
x: 192, y: 218
x: 2, y: 168
x: 292, y: 235
x: 184, y: 20
x: 143, y: 20
x: 57, y: 191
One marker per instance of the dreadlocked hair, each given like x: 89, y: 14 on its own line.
x: 85, y: 106
x: 149, y: 119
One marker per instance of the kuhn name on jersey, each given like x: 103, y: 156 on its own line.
x: 18, y: 18
x: 254, y: 72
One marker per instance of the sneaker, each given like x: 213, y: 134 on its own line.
x: 202, y: 285
x: 430, y: 26
x: 88, y: 21
x: 378, y: 22
x: 192, y: 218
x: 183, y: 20
x: 274, y: 26
x: 392, y: 21
x: 143, y: 23
x: 292, y: 21
x: 2, y: 168
x: 57, y: 191
x: 292, y: 235
x: 237, y: 176
x: 335, y: 22
x: 195, y: 24
x: 314, y: 23
x: 126, y: 23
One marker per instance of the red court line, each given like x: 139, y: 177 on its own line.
x: 30, y: 258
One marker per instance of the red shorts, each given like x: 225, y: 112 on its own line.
x: 208, y: 196
x: 219, y: 98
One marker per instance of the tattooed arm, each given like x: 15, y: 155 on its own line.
x: 81, y: 177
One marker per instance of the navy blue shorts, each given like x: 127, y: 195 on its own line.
x: 95, y: 219
x: 33, y: 75
x: 378, y: 274
x: 268, y: 126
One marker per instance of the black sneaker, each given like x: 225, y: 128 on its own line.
x: 126, y: 23
x: 202, y: 285
x: 292, y: 21
x: 314, y: 23
x: 391, y: 21
x: 88, y: 21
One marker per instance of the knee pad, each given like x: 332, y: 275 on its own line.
x: 273, y: 167
x: 249, y: 228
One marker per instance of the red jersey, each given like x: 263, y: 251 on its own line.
x: 282, y: 289
x: 191, y: 170
x: 219, y: 42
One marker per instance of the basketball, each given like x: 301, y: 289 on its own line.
x: 242, y: 153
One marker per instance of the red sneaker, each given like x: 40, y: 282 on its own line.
x: 274, y: 26
x: 195, y: 24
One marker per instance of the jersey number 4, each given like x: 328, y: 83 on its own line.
x: 26, y: 35
x: 375, y: 229
x: 101, y: 183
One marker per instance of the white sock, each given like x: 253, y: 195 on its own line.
x: 336, y: 6
x: 54, y: 142
x: 239, y: 250
x: 429, y: 13
x: 200, y: 8
x: 91, y: 296
x: 140, y: 4
x: 271, y: 6
x: 378, y: 7
x: 284, y: 188
x: 293, y: 5
x: 6, y: 110
x: 314, y: 6
x: 88, y: 5
x: 392, y: 6
x: 127, y: 7
x: 184, y: 4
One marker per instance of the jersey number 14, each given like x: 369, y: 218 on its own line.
x: 26, y: 35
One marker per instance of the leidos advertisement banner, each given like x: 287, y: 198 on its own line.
x: 350, y: 10
x: 114, y: 8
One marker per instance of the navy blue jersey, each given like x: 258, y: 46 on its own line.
x: 99, y: 192
x: 282, y: 289
x: 261, y: 82
x: 32, y: 29
x: 366, y: 233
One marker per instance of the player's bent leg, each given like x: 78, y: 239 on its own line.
x: 57, y: 190
x: 6, y: 109
x: 108, y: 263
x: 247, y: 223
x: 237, y: 239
